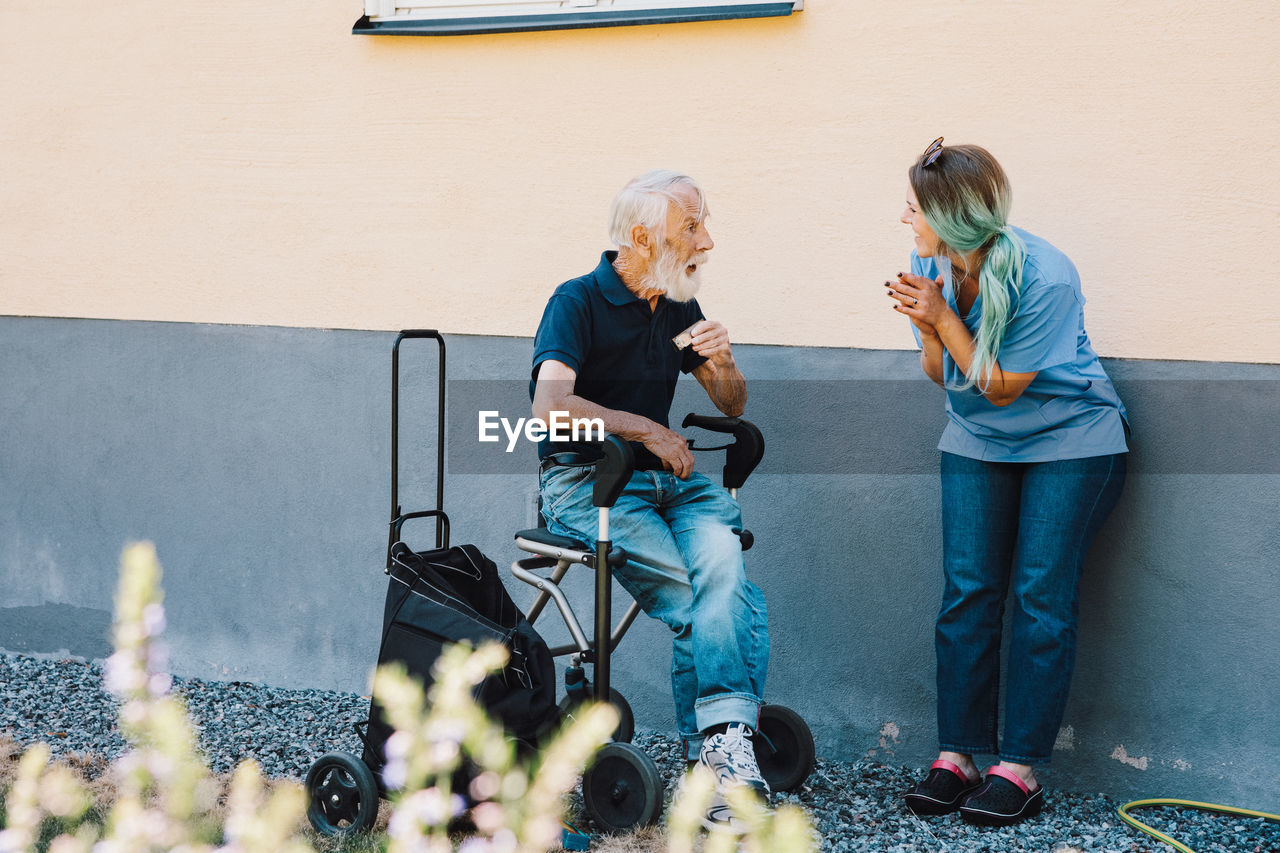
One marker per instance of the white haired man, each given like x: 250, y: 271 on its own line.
x: 604, y: 350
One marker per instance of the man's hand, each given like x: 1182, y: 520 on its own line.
x: 711, y: 341
x: 719, y: 374
x: 672, y: 448
x: 554, y: 391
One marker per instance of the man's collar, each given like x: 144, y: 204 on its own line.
x: 611, y: 284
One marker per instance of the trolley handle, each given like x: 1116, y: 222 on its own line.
x: 396, y: 537
x: 397, y: 517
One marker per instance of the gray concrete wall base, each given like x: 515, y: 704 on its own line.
x: 257, y: 460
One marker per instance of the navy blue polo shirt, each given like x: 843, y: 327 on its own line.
x: 620, y: 349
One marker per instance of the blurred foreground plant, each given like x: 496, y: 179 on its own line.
x: 517, y: 805
x: 784, y: 830
x: 167, y: 800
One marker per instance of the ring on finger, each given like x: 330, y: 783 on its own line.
x: 915, y: 302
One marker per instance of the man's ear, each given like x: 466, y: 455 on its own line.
x: 641, y: 241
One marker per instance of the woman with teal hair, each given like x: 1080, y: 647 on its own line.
x: 1033, y: 461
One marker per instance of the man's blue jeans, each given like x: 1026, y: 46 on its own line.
x: 1024, y: 527
x: 685, y: 568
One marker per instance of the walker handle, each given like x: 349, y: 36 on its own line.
x: 741, y: 457
x: 613, y: 471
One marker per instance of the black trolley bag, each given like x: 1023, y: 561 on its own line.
x: 451, y: 595
x: 434, y: 598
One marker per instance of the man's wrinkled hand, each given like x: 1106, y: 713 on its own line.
x: 673, y: 449
x: 711, y: 341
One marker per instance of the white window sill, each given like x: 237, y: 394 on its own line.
x: 421, y: 20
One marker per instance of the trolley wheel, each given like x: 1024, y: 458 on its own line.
x: 622, y: 789
x: 342, y: 795
x: 626, y: 719
x: 784, y: 748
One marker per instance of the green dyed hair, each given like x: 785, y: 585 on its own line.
x: 965, y: 197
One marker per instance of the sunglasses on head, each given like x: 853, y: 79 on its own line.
x: 932, y: 153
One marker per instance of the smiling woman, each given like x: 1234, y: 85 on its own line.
x: 465, y: 17
x: 1034, y: 458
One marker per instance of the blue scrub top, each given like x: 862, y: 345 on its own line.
x: 1070, y: 410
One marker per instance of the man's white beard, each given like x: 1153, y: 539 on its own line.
x: 672, y: 277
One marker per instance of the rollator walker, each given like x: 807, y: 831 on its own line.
x: 622, y: 788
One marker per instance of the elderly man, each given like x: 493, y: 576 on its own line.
x: 605, y: 349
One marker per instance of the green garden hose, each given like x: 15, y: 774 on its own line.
x: 1123, y: 811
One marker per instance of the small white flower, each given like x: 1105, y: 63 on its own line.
x: 67, y: 844
x: 159, y: 765
x: 128, y: 635
x: 452, y: 730
x: 128, y: 763
x: 120, y: 676
x: 153, y: 621
x: 430, y: 807
x: 444, y: 754
x: 405, y: 828
x: 10, y: 841
x: 488, y: 817
x: 133, y: 713
x: 398, y: 745
x: 158, y: 657
x: 485, y: 786
x: 395, y: 774
x: 155, y: 826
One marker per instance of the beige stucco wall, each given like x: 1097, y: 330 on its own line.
x: 255, y: 163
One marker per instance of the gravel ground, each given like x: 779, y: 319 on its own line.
x: 855, y: 805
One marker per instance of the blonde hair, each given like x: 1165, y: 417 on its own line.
x: 965, y: 197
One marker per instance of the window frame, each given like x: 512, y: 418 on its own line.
x: 384, y: 17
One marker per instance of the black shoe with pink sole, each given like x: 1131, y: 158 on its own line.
x: 942, y: 791
x: 1001, y: 800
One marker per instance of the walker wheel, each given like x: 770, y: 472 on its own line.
x: 626, y: 719
x: 784, y: 748
x: 342, y: 795
x: 622, y: 789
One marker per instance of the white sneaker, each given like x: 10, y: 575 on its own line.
x: 732, y: 758
x: 720, y: 816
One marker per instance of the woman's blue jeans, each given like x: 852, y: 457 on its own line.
x: 685, y: 568
x: 1022, y: 528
